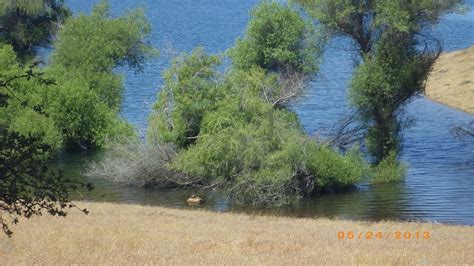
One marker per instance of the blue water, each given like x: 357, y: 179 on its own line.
x: 440, y: 181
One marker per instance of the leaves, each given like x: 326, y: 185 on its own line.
x: 278, y: 39
x: 241, y: 139
x: 29, y: 24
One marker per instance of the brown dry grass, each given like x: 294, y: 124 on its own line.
x: 452, y: 80
x: 125, y: 234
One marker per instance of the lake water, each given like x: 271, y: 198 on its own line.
x: 440, y: 181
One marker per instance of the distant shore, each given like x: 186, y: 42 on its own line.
x: 452, y: 80
x: 133, y: 234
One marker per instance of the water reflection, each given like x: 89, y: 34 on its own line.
x: 398, y: 201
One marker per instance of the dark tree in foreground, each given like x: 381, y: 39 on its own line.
x: 27, y: 187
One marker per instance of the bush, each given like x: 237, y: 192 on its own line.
x: 83, y: 95
x: 254, y: 148
x: 27, y: 25
x: 388, y: 170
x: 83, y: 119
x: 90, y: 47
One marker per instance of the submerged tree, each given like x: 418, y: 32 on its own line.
x: 383, y: 85
x: 234, y: 130
x: 396, y: 58
x: 244, y: 139
x: 30, y: 24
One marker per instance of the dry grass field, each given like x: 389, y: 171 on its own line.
x: 130, y: 234
x: 452, y: 80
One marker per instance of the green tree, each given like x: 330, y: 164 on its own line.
x: 87, y: 50
x: 278, y: 39
x: 90, y: 47
x: 383, y: 85
x: 83, y: 104
x: 191, y: 89
x: 365, y: 21
x: 387, y: 35
x: 30, y: 24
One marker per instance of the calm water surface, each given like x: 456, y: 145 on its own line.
x: 440, y: 182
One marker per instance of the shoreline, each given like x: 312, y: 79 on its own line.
x: 121, y: 233
x: 451, y: 81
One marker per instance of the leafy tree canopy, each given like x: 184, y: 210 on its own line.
x: 19, y: 93
x: 87, y: 50
x: 364, y: 21
x: 279, y: 39
x: 191, y: 88
x: 30, y: 24
x: 90, y: 47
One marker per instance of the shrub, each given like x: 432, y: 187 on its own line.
x: 388, y: 170
x: 83, y: 119
x: 258, y: 151
x: 86, y: 100
x: 234, y: 131
x: 27, y: 25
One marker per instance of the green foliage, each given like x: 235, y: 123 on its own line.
x: 27, y: 188
x: 191, y: 88
x: 389, y: 170
x: 382, y: 85
x: 345, y: 15
x: 84, y: 120
x: 334, y: 170
x: 363, y: 21
x: 278, y: 39
x: 242, y: 140
x: 394, y: 67
x: 13, y: 114
x: 85, y: 104
x: 29, y: 24
x: 410, y: 16
x: 89, y: 47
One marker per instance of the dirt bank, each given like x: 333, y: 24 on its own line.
x: 452, y: 80
x: 124, y: 234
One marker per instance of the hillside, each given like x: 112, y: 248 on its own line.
x: 452, y: 80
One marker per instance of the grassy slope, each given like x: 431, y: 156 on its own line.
x: 452, y: 80
x: 117, y: 234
